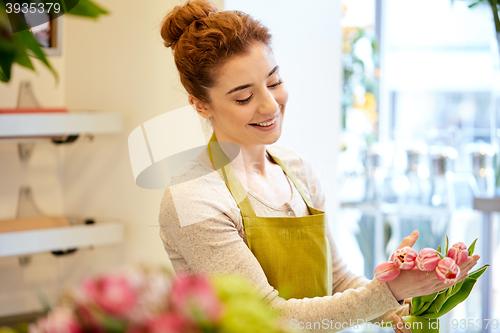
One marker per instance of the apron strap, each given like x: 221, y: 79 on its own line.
x: 294, y: 180
x: 223, y: 166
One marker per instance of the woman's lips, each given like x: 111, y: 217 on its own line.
x: 266, y: 128
x: 266, y: 121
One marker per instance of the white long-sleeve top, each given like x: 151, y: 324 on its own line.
x: 202, y: 231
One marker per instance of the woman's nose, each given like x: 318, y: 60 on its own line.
x: 268, y: 103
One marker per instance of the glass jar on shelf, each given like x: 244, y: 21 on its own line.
x: 374, y: 173
x: 482, y: 169
x: 416, y: 174
x: 442, y: 176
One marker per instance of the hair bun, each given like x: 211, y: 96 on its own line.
x: 181, y: 17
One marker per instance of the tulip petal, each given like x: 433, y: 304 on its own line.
x: 404, y: 258
x: 447, y: 270
x: 387, y: 271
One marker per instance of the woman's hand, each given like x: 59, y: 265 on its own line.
x: 399, y: 324
x: 408, y: 301
x: 414, y: 282
x: 409, y: 240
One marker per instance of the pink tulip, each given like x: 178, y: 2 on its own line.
x: 113, y: 294
x: 194, y: 296
x: 405, y: 258
x: 427, y: 259
x: 459, y: 253
x: 60, y: 320
x: 387, y: 271
x: 447, y: 270
x: 170, y: 323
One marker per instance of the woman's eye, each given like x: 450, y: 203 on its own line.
x: 244, y: 101
x: 276, y: 84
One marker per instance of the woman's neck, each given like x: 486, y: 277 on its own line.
x: 252, y: 159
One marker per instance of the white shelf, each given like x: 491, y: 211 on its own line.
x: 487, y: 204
x: 57, y: 124
x: 54, y: 239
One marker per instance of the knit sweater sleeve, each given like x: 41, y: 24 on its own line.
x: 199, y: 227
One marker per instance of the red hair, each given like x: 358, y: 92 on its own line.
x: 203, y: 38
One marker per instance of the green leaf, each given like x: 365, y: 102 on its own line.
x: 478, y: 272
x: 475, y: 3
x: 494, y: 9
x: 88, y: 8
x: 14, y: 47
x: 6, y: 60
x: 472, y: 247
x: 446, y: 246
x: 23, y: 60
x: 31, y: 43
x: 6, y: 42
x: 21, y: 57
x: 422, y: 303
x: 429, y: 298
x: 439, y: 250
x: 3, y: 77
x: 22, y: 327
x: 460, y: 296
x: 456, y: 288
x: 449, y: 291
x: 423, y: 309
x: 112, y: 324
x: 438, y: 302
x: 415, y: 304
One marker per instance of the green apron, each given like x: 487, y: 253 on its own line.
x: 293, y: 252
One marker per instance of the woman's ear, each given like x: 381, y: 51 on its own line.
x: 202, y: 108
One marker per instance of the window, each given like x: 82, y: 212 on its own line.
x: 432, y: 74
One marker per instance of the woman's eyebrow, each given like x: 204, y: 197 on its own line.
x: 250, y: 85
x: 273, y: 71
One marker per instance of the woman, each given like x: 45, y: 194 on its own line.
x: 261, y: 215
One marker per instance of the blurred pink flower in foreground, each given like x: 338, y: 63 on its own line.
x: 427, y: 259
x: 459, y: 253
x: 170, y: 323
x: 61, y: 320
x: 152, y: 300
x: 113, y: 294
x: 194, y: 296
x: 404, y: 258
x: 447, y: 270
x: 387, y: 271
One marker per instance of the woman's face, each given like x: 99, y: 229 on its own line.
x: 248, y: 91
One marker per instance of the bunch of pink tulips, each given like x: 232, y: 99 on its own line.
x: 427, y: 309
x: 447, y: 268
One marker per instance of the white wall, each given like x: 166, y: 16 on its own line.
x: 119, y: 64
x: 114, y: 64
x: 307, y: 41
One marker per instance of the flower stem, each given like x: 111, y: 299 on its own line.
x: 494, y: 8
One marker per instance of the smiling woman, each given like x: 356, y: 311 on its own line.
x: 262, y: 214
x: 248, y: 102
